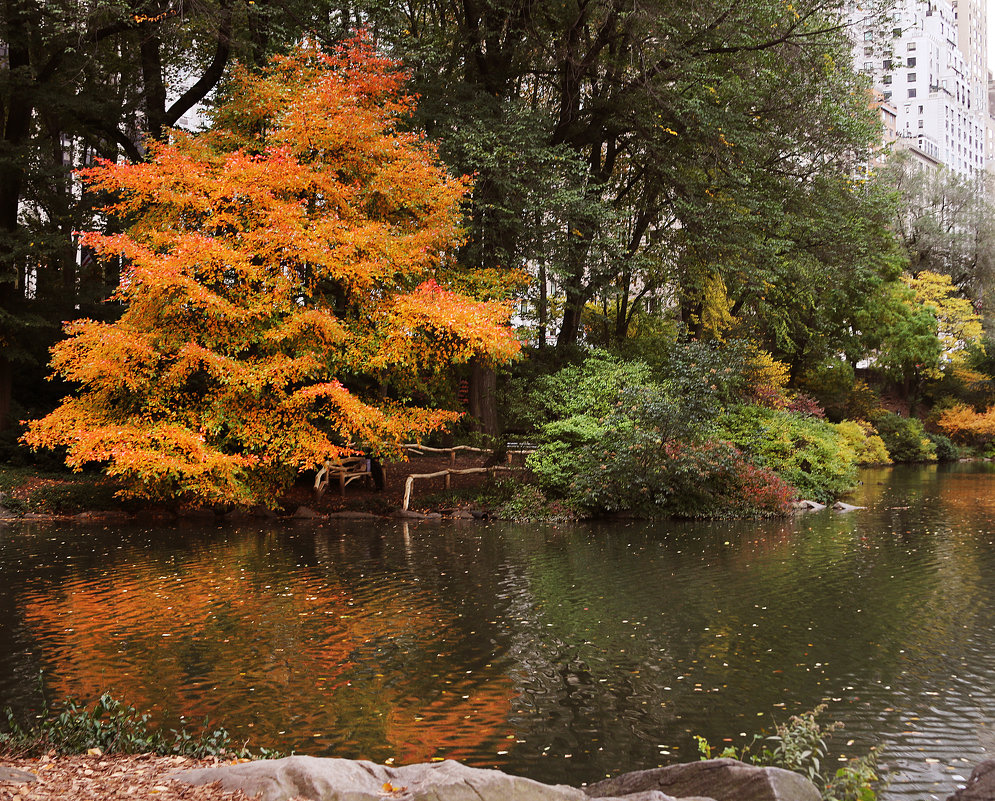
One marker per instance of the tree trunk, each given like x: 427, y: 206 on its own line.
x: 5, y: 393
x: 483, y: 399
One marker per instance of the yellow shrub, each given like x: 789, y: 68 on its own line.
x: 768, y: 379
x: 862, y: 437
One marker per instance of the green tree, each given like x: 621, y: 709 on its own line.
x: 945, y: 222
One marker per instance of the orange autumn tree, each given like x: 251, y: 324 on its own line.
x: 278, y: 264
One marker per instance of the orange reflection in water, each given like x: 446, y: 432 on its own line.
x: 284, y: 657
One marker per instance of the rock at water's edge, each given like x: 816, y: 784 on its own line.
x: 981, y: 785
x: 721, y: 779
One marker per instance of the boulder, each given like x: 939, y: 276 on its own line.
x: 15, y: 776
x: 981, y: 785
x: 349, y: 514
x: 839, y: 506
x: 720, y: 779
x: 809, y: 506
x: 325, y: 779
x: 305, y: 513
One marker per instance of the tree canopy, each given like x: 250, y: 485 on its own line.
x: 282, y: 286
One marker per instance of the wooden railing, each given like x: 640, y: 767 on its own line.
x: 409, y: 482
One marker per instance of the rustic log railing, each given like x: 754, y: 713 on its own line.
x: 424, y: 450
x: 410, y: 480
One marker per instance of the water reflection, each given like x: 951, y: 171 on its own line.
x: 565, y: 654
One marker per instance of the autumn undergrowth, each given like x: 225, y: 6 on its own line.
x: 26, y: 489
x: 506, y: 499
x: 801, y: 744
x: 112, y: 727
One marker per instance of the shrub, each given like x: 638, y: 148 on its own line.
x: 808, y: 453
x: 767, y: 380
x: 963, y: 424
x: 904, y: 437
x: 804, y: 404
x: 801, y: 745
x: 633, y: 471
x: 113, y: 727
x: 863, y: 402
x: 864, y: 441
x: 589, y: 388
x: 946, y: 451
x: 647, y: 458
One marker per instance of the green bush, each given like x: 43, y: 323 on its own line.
x: 808, y: 453
x: 832, y: 384
x: 647, y: 459
x: 905, y: 438
x: 589, y: 388
x: 946, y: 451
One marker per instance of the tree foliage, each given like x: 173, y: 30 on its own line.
x: 280, y: 290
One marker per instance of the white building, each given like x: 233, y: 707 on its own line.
x: 938, y: 89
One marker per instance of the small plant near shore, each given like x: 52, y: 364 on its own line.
x: 801, y: 745
x: 113, y: 727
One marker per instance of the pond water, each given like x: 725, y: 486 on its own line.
x: 561, y: 653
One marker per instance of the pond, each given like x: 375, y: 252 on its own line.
x: 563, y: 653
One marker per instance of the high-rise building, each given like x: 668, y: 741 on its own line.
x: 936, y: 83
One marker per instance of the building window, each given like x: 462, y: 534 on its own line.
x: 896, y: 33
x: 887, y: 95
x: 886, y: 63
x: 912, y: 77
x: 886, y: 79
x: 921, y: 125
x: 912, y: 61
x: 910, y: 46
x: 912, y: 92
x: 868, y: 36
x: 868, y: 66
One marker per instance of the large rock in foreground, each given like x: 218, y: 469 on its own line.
x: 981, y: 785
x: 349, y: 780
x: 721, y: 779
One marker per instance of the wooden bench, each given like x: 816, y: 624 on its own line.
x: 345, y: 469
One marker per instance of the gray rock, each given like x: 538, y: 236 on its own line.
x: 15, y: 776
x: 348, y: 514
x: 305, y: 513
x: 981, y: 785
x: 839, y: 506
x: 349, y: 780
x: 809, y: 506
x: 721, y: 779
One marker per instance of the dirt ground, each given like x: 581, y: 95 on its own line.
x: 106, y: 778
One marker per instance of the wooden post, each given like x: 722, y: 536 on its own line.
x: 452, y: 458
x: 408, y: 484
x: 449, y: 483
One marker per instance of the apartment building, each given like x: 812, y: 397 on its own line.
x: 927, y: 60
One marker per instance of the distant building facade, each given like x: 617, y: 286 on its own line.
x: 927, y: 60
